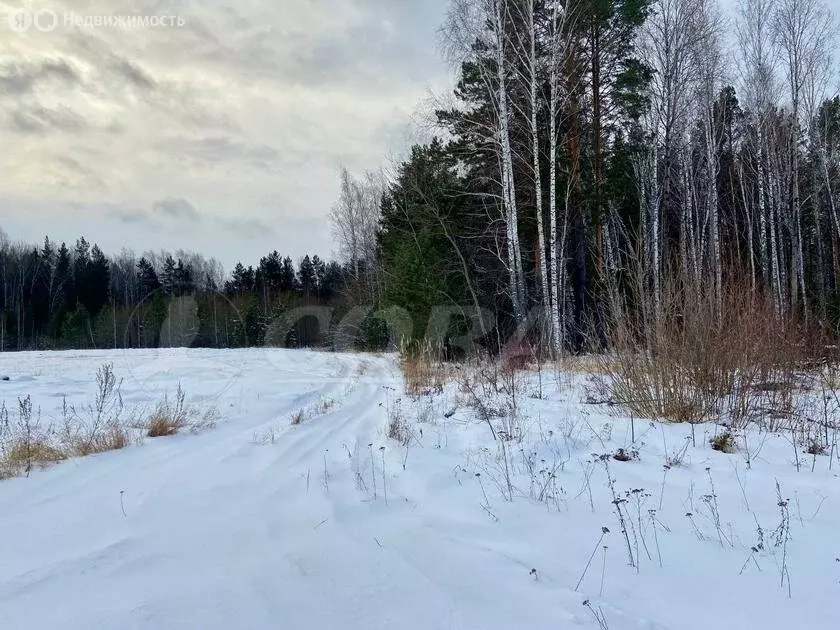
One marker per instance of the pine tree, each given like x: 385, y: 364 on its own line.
x: 168, y: 278
x: 307, y: 275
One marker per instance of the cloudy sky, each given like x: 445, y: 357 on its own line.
x: 224, y: 136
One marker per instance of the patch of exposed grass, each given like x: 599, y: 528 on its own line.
x: 21, y: 456
x: 26, y: 444
x: 423, y: 368
x: 723, y: 442
x: 171, y: 417
x: 398, y: 429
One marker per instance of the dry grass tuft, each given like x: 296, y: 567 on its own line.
x: 585, y: 364
x: 170, y: 418
x: 624, y: 455
x: 398, y: 429
x: 24, y: 444
x: 163, y: 424
x: 723, y: 442
x: 423, y: 368
x: 98, y: 427
x: 516, y: 357
x: 22, y: 456
x: 297, y: 417
x: 114, y: 437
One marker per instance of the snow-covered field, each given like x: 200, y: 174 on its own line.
x: 262, y: 524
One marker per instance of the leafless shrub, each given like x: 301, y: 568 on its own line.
x: 494, y: 391
x: 676, y: 458
x: 398, y: 429
x: 98, y: 426
x: 781, y: 537
x: 816, y: 448
x: 699, y: 355
x: 516, y: 357
x: 265, y: 437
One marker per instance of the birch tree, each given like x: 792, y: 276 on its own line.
x: 669, y: 41
x: 559, y: 35
x: 478, y: 31
x: 759, y: 86
x: 802, y: 30
x: 355, y: 221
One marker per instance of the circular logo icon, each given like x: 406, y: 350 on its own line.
x: 45, y: 20
x: 20, y: 20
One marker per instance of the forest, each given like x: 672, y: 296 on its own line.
x: 604, y: 171
x: 55, y: 297
x: 607, y: 167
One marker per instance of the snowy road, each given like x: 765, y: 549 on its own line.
x: 219, y: 529
x: 259, y: 524
x: 228, y: 529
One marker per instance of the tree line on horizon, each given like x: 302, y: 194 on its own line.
x: 57, y: 297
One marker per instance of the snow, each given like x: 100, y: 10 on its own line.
x: 260, y: 523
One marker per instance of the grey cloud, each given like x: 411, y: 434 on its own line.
x: 80, y: 173
x: 249, y: 47
x: 248, y: 228
x: 21, y: 78
x: 326, y: 60
x: 361, y: 56
x: 220, y: 149
x: 109, y: 69
x: 179, y: 104
x: 133, y: 74
x: 38, y: 119
x: 383, y: 49
x: 130, y: 84
x: 177, y: 208
x: 130, y: 216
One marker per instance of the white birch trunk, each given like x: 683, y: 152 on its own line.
x: 535, y: 144
x: 517, y: 281
x: 556, y: 295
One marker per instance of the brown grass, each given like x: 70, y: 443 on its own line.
x: 162, y: 423
x: 113, y: 437
x: 701, y: 356
x: 21, y: 456
x: 171, y: 417
x: 297, y: 418
x: 586, y: 364
x: 96, y: 428
x: 423, y: 368
x: 723, y: 442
